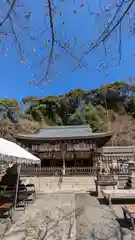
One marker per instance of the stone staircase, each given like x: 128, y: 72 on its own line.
x: 82, y: 184
x: 69, y: 184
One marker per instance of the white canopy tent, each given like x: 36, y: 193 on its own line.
x: 10, y: 152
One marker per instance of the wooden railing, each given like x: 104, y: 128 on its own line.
x: 55, y: 171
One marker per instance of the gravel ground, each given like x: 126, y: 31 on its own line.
x: 67, y: 216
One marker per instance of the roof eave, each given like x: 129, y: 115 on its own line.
x: 93, y: 136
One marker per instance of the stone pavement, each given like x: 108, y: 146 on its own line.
x: 98, y: 222
x: 68, y: 216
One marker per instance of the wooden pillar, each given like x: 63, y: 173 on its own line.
x: 63, y: 149
x: 91, y: 153
x: 74, y: 159
x: 63, y: 160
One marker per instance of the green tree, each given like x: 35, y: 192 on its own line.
x: 89, y: 114
x: 9, y: 109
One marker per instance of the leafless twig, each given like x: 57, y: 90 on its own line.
x: 52, y: 44
x: 106, y: 33
x: 16, y: 38
x: 8, y: 13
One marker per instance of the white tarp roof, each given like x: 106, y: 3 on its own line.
x: 11, y: 152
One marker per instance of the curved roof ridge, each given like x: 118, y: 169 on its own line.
x: 66, y: 127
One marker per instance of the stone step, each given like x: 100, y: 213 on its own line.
x: 50, y: 184
x: 50, y: 180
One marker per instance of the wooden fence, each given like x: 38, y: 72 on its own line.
x: 55, y: 171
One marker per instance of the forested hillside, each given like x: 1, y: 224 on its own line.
x: 110, y: 107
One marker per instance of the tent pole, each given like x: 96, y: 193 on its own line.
x: 17, y: 184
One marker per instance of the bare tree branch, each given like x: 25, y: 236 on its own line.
x: 52, y: 46
x: 106, y: 33
x: 120, y: 47
x: 47, y: 59
x: 70, y: 53
x: 16, y: 38
x: 120, y: 20
x: 8, y: 13
x: 9, y: 3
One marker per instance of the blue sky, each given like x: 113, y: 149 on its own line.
x: 15, y: 78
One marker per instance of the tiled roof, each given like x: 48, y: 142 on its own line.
x: 118, y: 149
x: 63, y: 132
